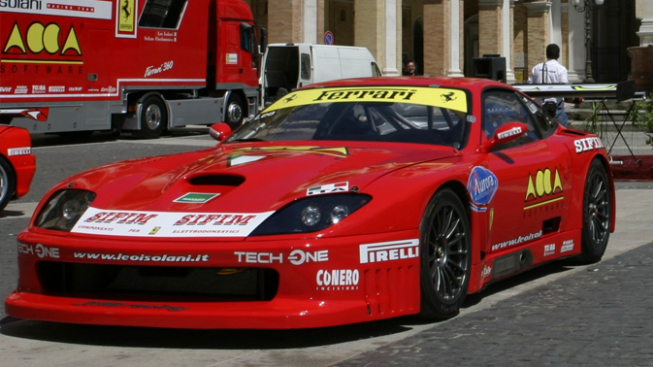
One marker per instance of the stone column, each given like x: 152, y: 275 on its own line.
x: 285, y: 21
x: 538, y: 31
x: 646, y: 29
x: 443, y: 49
x: 375, y: 27
x: 576, y: 41
x: 309, y: 17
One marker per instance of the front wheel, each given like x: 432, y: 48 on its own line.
x: 236, y: 111
x: 7, y: 183
x: 597, y: 208
x: 445, y: 256
x: 154, y: 118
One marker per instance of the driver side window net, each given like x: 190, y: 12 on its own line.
x: 502, y: 107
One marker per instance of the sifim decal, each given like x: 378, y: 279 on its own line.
x: 167, y: 224
x: 588, y: 144
x: 481, y: 187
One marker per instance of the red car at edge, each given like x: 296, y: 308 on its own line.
x: 343, y: 202
x: 17, y: 164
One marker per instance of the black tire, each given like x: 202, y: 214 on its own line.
x: 597, y: 208
x: 154, y: 118
x: 7, y: 183
x: 236, y: 111
x: 446, y: 258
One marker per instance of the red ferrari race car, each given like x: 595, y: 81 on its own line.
x: 17, y: 164
x: 344, y: 202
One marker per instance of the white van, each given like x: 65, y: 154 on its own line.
x: 290, y: 66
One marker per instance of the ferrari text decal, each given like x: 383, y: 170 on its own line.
x: 168, y: 224
x: 337, y: 280
x: 543, y: 188
x: 588, y: 144
x: 389, y: 251
x: 517, y: 241
x: 328, y: 189
x: 19, y: 151
x: 481, y: 186
x: 453, y: 99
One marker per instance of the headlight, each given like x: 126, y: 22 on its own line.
x: 64, y: 209
x: 312, y: 214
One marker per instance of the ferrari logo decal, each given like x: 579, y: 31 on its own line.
x: 448, y: 97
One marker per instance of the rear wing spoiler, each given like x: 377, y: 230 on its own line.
x: 621, y: 91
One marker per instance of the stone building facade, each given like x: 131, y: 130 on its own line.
x: 444, y: 36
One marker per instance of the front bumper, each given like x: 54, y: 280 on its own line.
x: 296, y: 283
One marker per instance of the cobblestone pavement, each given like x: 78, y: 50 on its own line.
x: 601, y: 316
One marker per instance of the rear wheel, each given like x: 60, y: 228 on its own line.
x: 154, y: 118
x: 7, y: 183
x: 236, y: 111
x: 445, y: 256
x: 597, y: 208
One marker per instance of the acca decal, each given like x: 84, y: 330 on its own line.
x: 544, y: 191
x: 482, y: 186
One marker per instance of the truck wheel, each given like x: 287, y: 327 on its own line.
x: 154, y: 118
x: 235, y: 111
x: 446, y: 258
x: 597, y: 207
x: 7, y: 183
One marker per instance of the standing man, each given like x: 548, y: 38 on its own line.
x: 551, y: 72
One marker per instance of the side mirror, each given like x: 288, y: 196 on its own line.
x: 220, y: 131
x: 505, y: 134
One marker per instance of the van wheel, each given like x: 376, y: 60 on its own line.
x: 235, y: 111
x: 154, y: 118
x: 7, y: 183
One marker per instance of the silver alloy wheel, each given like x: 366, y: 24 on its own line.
x: 234, y: 112
x: 447, y: 253
x: 153, y: 116
x: 598, y: 208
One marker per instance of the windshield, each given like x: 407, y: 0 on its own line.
x: 385, y: 114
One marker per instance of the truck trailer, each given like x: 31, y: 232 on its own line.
x: 78, y: 66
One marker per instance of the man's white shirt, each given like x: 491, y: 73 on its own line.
x: 549, y: 72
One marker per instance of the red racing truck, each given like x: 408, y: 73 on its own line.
x: 77, y: 66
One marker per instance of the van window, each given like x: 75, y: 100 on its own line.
x: 306, y: 66
x: 162, y: 13
x: 375, y: 69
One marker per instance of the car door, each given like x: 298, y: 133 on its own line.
x: 532, y: 173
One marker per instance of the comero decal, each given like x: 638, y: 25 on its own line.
x: 543, y: 188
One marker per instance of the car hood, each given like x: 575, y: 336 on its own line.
x: 239, y: 178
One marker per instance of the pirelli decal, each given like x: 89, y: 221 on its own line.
x: 453, y: 99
